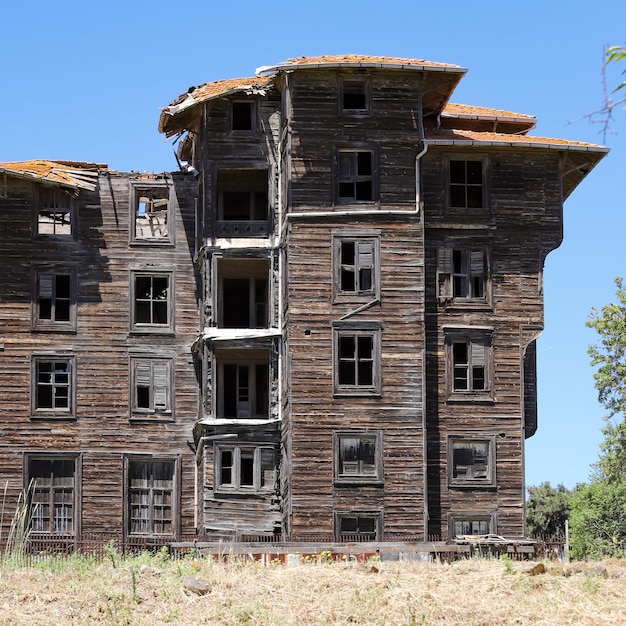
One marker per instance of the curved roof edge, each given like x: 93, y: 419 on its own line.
x: 361, y: 61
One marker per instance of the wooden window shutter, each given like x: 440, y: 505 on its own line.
x: 160, y: 373
x: 479, y: 354
x: 444, y: 272
x: 366, y: 253
x: 45, y: 285
x: 142, y: 375
x: 477, y: 265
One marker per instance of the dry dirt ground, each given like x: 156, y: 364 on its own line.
x: 472, y: 592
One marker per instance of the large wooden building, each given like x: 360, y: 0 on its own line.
x: 323, y: 326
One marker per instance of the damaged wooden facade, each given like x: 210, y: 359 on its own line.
x: 352, y: 275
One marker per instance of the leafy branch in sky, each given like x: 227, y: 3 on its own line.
x: 604, y: 115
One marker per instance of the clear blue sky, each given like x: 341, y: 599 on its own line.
x: 86, y: 81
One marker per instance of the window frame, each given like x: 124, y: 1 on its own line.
x: 175, y: 492
x: 356, y: 177
x: 377, y: 515
x: 136, y: 189
x: 339, y: 239
x: 152, y: 413
x: 70, y: 209
x: 366, y: 111
x: 30, y: 485
x: 359, y: 477
x: 250, y: 358
x: 477, y: 341
x: 358, y: 329
x: 53, y: 325
x: 150, y: 327
x: 258, y: 468
x: 455, y: 517
x: 447, y: 275
x: 466, y: 158
x: 53, y: 412
x: 489, y: 480
x: 254, y: 112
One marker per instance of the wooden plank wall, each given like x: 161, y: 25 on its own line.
x: 520, y: 226
x: 101, y: 430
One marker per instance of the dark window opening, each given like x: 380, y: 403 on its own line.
x: 243, y: 115
x: 356, y: 360
x: 245, y: 467
x: 466, y: 184
x: 55, y: 297
x: 244, y: 390
x: 355, y: 176
x: 152, y: 300
x: 152, y: 384
x: 469, y: 365
x: 354, y: 97
x: 53, y: 384
x: 358, y: 527
x: 244, y: 302
x: 357, y: 266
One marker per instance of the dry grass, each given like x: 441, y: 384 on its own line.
x: 473, y: 592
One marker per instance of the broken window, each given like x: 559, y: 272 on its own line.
x: 462, y: 274
x: 466, y: 184
x: 470, y: 363
x: 150, y: 213
x: 246, y: 468
x: 54, y: 214
x: 242, y: 202
x: 151, y: 496
x: 243, y: 115
x: 54, y: 300
x: 151, y: 386
x: 52, y: 484
x: 356, y: 176
x: 357, y: 266
x: 354, y: 526
x: 355, y: 98
x: 357, y: 360
x: 151, y: 301
x: 243, y: 384
x: 53, y: 386
x: 471, y: 461
x: 359, y: 456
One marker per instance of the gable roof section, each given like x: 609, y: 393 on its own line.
x: 177, y: 116
x: 75, y: 174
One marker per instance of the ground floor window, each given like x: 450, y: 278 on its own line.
x: 52, y: 489
x: 472, y: 524
x: 358, y: 526
x: 151, y: 496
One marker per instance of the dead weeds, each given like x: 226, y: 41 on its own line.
x: 473, y: 592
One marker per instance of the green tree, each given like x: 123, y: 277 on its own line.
x: 547, y: 509
x: 598, y: 520
x: 609, y: 353
x: 598, y: 509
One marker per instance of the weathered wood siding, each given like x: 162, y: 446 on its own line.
x: 519, y: 226
x: 317, y: 131
x: 101, y: 430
